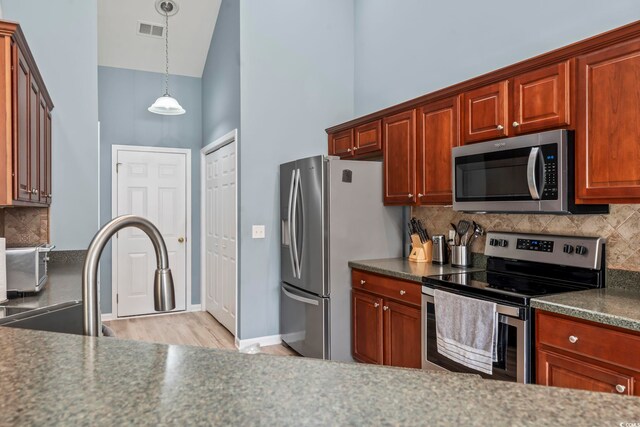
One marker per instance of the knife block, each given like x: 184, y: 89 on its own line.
x: 420, y: 252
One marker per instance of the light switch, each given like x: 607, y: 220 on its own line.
x: 257, y: 231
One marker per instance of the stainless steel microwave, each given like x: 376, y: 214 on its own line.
x: 530, y: 173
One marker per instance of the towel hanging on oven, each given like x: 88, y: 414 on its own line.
x: 466, y: 330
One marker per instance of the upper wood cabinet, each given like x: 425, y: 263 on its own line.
x: 341, y: 144
x: 541, y: 99
x: 573, y: 353
x: 25, y: 114
x: 438, y: 133
x: 399, y: 134
x: 364, y: 141
x: 485, y: 113
x: 608, y: 125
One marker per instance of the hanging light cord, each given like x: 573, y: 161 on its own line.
x: 166, y: 49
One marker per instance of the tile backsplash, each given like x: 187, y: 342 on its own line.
x: 24, y: 226
x: 621, y: 227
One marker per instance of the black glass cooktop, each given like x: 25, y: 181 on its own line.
x: 500, y: 287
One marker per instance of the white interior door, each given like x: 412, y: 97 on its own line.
x: 220, y: 235
x: 152, y: 185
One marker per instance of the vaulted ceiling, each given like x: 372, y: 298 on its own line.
x: 190, y: 31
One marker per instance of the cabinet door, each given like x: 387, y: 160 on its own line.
x: 34, y: 141
x: 399, y: 135
x: 541, y: 99
x: 561, y: 371
x: 48, y: 158
x: 608, y: 125
x: 368, y: 138
x: 485, y: 113
x: 438, y: 133
x: 367, y: 335
x: 42, y: 152
x: 402, y: 345
x: 22, y: 91
x: 341, y: 143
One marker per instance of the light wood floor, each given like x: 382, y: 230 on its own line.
x: 194, y: 328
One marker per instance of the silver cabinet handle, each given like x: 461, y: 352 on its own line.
x: 410, y: 195
x: 515, y: 124
x: 620, y: 388
x: 348, y: 150
x: 355, y: 148
x: 385, y: 308
x: 402, y: 292
x: 34, y: 191
x: 420, y: 194
x: 499, y: 127
x: 376, y: 305
x: 362, y: 281
x: 573, y: 339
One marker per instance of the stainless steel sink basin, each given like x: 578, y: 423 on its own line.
x: 65, y: 318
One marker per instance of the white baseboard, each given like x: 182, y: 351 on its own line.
x: 263, y: 341
x: 195, y: 307
x: 108, y: 316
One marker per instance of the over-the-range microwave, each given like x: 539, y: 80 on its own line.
x: 530, y: 173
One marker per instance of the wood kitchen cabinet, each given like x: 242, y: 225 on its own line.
x: 584, y: 355
x: 364, y: 141
x: 485, y: 113
x: 25, y: 112
x: 399, y: 154
x: 386, y: 320
x: 438, y: 133
x: 608, y: 125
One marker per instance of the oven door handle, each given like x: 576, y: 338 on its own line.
x: 532, y: 167
x: 505, y: 310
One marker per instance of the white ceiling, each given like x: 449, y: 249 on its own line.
x: 190, y: 32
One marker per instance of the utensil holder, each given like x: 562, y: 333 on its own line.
x: 420, y: 252
x: 460, y: 256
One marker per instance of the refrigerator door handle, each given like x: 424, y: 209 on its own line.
x: 301, y: 219
x: 289, y: 240
x: 299, y: 298
x: 294, y: 224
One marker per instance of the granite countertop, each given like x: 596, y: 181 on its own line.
x: 59, y: 379
x: 610, y: 306
x: 64, y: 285
x: 402, y: 268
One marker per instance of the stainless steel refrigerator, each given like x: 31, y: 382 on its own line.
x: 331, y: 211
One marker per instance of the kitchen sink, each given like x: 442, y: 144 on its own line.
x: 65, y: 318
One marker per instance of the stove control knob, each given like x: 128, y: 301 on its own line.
x: 493, y: 242
x: 503, y: 243
x: 568, y: 249
x: 581, y: 250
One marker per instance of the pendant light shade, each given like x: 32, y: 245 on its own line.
x: 166, y: 104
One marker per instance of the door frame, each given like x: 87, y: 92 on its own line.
x: 114, y: 212
x: 224, y: 140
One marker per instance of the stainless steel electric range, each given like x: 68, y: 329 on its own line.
x: 519, y: 267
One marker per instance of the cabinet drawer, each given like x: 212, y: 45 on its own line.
x: 399, y: 290
x: 587, y: 339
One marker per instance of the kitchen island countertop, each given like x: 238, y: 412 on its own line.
x: 402, y: 268
x: 57, y: 379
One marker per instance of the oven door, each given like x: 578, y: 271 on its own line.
x: 513, y: 344
x: 522, y: 174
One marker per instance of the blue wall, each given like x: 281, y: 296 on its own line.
x: 296, y: 80
x: 63, y: 37
x: 221, y: 76
x: 406, y: 48
x: 124, y: 96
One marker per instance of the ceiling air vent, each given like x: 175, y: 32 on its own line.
x: 149, y: 29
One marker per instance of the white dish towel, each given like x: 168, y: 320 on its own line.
x: 3, y: 270
x: 466, y: 330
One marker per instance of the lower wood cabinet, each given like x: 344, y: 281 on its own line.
x: 584, y: 355
x: 385, y: 328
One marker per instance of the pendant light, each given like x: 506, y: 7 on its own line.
x: 166, y: 104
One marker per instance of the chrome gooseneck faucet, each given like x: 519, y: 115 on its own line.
x: 164, y: 294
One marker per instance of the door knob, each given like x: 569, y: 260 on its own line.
x: 180, y: 239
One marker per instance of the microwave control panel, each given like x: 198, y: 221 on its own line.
x: 550, y: 155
